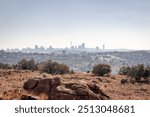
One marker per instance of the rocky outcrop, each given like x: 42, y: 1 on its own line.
x: 55, y: 89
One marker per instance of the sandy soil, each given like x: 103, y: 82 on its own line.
x: 11, y: 84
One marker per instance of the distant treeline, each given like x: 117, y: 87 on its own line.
x: 136, y: 72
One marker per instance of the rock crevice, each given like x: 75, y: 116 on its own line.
x: 55, y: 89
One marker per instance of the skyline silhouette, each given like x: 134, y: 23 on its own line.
x: 115, y: 23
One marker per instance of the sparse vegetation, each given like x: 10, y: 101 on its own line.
x: 27, y: 65
x: 53, y: 67
x: 124, y: 70
x: 136, y: 72
x: 101, y: 69
x: 139, y: 71
x: 72, y: 71
x: 47, y: 66
x: 4, y: 66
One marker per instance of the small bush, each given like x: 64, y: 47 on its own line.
x: 136, y: 72
x: 27, y: 64
x: 146, y: 72
x: 139, y: 71
x: 101, y: 69
x: 124, y: 70
x: 53, y: 67
x: 4, y: 66
x: 72, y: 71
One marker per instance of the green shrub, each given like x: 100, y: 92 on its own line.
x: 101, y: 69
x: 27, y: 64
x: 53, y: 67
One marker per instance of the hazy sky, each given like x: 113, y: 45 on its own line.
x: 115, y: 23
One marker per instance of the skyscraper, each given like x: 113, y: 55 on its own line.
x: 103, y: 47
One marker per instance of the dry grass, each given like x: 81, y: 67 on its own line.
x: 11, y: 83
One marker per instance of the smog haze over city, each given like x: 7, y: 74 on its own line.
x: 75, y: 50
x: 116, y: 23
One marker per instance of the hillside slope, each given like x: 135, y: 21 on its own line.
x: 12, y: 86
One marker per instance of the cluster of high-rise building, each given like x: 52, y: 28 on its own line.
x: 50, y: 49
x: 79, y: 47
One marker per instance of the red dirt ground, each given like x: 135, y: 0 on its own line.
x: 11, y: 84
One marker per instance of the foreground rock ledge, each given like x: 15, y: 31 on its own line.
x: 55, y: 89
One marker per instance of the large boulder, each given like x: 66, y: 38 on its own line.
x: 55, y: 89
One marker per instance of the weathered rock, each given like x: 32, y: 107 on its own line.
x: 28, y: 97
x: 43, y: 86
x: 82, y: 92
x: 55, y: 89
x: 93, y: 87
x: 123, y: 81
x: 56, y: 81
x: 30, y: 84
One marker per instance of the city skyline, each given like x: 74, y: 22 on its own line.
x: 77, y: 49
x: 118, y: 24
x: 80, y: 46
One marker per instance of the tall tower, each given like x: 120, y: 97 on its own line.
x: 103, y: 47
x: 71, y: 44
x: 83, y: 45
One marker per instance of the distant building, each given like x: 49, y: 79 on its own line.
x: 97, y: 48
x: 42, y: 48
x: 36, y: 46
x: 71, y: 44
x: 103, y: 47
x: 63, y: 52
x: 82, y: 46
x: 50, y: 47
